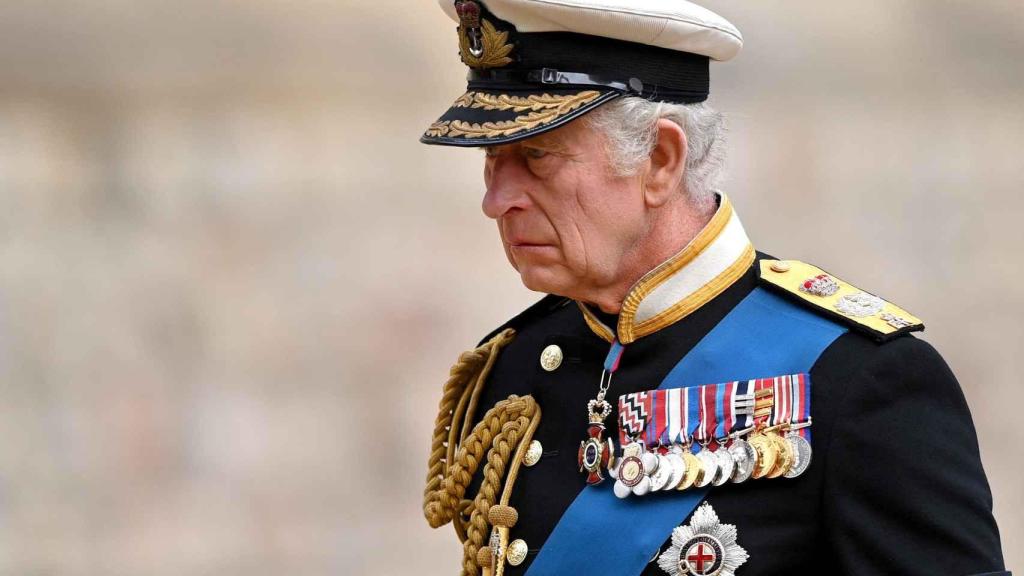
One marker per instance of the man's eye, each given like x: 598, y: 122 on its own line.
x: 535, y: 153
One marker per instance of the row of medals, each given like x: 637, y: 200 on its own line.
x: 774, y: 452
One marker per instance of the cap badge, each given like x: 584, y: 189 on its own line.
x: 480, y: 43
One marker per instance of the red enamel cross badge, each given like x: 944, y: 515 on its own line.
x: 595, y: 453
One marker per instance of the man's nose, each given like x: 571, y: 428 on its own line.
x: 506, y: 179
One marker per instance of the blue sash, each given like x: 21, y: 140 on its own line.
x: 601, y: 535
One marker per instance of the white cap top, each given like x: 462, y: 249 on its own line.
x: 672, y: 24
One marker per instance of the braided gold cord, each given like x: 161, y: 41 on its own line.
x: 444, y: 443
x: 476, y: 390
x: 505, y: 442
x: 468, y: 458
x: 499, y: 439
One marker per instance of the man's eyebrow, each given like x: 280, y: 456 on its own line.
x: 547, y: 142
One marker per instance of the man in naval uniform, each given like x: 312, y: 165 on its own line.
x: 679, y: 403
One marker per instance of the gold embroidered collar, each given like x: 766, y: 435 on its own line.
x: 718, y: 256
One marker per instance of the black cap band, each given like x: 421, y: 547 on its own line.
x: 490, y: 79
x: 564, y: 58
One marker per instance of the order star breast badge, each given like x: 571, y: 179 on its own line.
x: 704, y: 547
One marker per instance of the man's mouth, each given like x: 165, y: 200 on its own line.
x: 517, y: 241
x: 523, y: 244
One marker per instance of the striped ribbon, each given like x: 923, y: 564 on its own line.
x: 707, y: 412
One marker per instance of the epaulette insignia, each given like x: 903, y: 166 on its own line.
x: 861, y: 310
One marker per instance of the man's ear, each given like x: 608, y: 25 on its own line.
x: 667, y: 165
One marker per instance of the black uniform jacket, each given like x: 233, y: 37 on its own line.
x: 895, y: 486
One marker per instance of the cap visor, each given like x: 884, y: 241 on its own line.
x: 489, y: 117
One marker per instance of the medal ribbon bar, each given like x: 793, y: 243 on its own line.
x: 669, y: 416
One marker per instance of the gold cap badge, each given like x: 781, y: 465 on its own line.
x: 480, y: 43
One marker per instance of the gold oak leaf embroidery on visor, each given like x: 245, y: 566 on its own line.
x: 543, y: 109
x: 437, y: 129
x: 495, y: 47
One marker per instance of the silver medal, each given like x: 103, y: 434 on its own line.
x: 725, y: 466
x: 710, y: 465
x: 678, y: 466
x: 801, y: 455
x: 744, y: 456
x: 662, y: 476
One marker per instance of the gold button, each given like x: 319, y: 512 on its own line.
x: 516, y: 552
x: 533, y: 453
x: 780, y: 266
x: 551, y: 358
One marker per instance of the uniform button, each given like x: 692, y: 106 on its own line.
x: 516, y: 552
x: 551, y: 358
x: 533, y: 453
x: 780, y: 266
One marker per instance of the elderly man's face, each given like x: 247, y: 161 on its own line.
x: 567, y: 222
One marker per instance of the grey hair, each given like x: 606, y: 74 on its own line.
x: 629, y: 125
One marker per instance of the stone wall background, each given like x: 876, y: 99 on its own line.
x: 232, y: 282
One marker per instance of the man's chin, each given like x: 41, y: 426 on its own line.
x: 544, y: 279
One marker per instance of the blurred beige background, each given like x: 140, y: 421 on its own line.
x: 232, y: 282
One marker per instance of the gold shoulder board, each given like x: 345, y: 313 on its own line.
x: 839, y: 300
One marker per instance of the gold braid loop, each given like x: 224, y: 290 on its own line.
x: 470, y: 367
x: 467, y: 461
x: 497, y: 458
x: 500, y: 439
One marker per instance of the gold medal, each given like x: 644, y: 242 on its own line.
x: 693, y: 470
x: 767, y: 454
x: 785, y: 455
x: 767, y: 451
x: 699, y: 467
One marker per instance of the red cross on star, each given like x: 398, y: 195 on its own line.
x: 698, y: 557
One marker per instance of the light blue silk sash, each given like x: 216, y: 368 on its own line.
x: 601, y: 535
